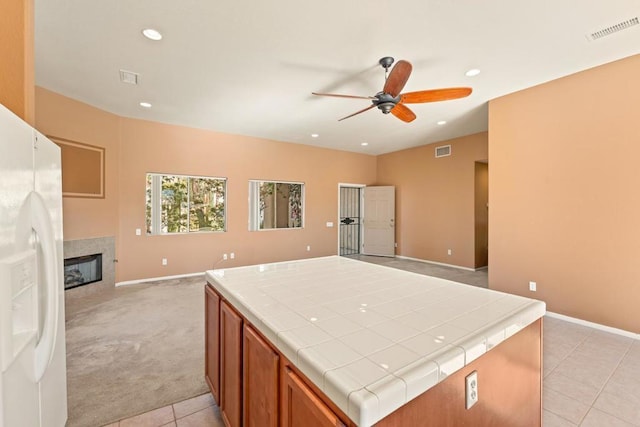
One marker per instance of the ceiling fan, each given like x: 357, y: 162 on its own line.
x: 390, y: 100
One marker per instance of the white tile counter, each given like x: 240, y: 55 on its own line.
x: 371, y: 337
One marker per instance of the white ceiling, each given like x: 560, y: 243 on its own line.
x: 249, y: 66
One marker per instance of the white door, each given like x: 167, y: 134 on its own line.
x: 379, y: 221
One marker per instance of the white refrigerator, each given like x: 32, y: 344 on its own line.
x: 33, y: 385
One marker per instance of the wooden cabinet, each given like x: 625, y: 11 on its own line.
x: 251, y: 381
x: 260, y: 381
x: 230, y: 366
x: 212, y: 341
x: 301, y: 406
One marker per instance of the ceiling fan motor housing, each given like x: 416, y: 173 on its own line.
x: 385, y: 102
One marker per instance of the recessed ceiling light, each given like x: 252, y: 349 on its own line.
x: 442, y: 122
x: 364, y: 144
x: 152, y: 34
x: 145, y: 104
x: 472, y: 72
x: 314, y: 135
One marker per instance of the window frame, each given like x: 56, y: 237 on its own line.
x: 254, y: 204
x: 156, y: 204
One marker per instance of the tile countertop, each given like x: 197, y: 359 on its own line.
x: 371, y: 337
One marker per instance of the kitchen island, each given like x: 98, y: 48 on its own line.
x: 335, y: 341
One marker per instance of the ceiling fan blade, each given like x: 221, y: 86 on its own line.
x: 342, y: 96
x: 357, y: 112
x: 403, y: 112
x: 397, y: 78
x: 435, y: 95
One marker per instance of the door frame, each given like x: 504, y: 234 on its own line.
x: 361, y: 231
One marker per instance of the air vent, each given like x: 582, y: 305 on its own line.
x: 129, y: 77
x: 613, y: 29
x: 443, y: 151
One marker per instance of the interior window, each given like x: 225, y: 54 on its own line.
x: 185, y: 204
x: 274, y: 205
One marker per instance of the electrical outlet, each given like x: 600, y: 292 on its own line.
x: 138, y: 232
x: 448, y: 251
x: 308, y: 248
x: 532, y: 286
x: 471, y: 389
x: 395, y: 245
x: 164, y: 261
x: 232, y: 255
x: 224, y: 257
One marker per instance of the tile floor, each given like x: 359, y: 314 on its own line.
x: 591, y: 378
x: 200, y: 411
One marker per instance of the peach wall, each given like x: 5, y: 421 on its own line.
x: 135, y: 147
x: 564, y: 194
x: 66, y: 118
x: 435, y: 208
x: 154, y: 147
x: 16, y: 51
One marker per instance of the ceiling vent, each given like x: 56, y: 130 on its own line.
x: 129, y: 77
x: 443, y: 151
x: 613, y: 29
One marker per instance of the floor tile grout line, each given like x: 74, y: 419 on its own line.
x: 565, y: 357
x: 195, y: 411
x: 605, y: 385
x: 173, y: 410
x: 600, y: 389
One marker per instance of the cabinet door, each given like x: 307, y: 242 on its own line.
x: 302, y: 407
x: 230, y: 366
x: 212, y: 341
x: 260, y: 381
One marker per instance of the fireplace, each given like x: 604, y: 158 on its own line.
x: 82, y: 270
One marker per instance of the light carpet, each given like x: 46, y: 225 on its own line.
x: 134, y: 349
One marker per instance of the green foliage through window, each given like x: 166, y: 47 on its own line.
x: 275, y: 205
x: 185, y: 204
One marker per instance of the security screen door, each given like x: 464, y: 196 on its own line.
x: 350, y: 224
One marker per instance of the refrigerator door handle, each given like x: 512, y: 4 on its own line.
x: 41, y: 223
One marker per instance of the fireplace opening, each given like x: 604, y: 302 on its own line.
x: 82, y: 270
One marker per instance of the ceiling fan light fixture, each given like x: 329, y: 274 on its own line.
x: 386, y: 107
x: 364, y: 144
x: 472, y: 72
x: 314, y: 135
x: 152, y: 34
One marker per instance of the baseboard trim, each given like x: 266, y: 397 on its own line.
x: 153, y: 279
x: 438, y: 263
x: 593, y: 325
